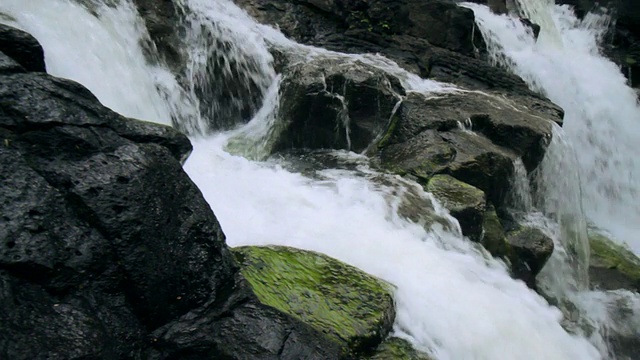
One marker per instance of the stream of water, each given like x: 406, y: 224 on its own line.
x: 453, y: 300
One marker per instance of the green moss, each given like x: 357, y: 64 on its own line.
x: 350, y: 306
x: 389, y: 133
x: 398, y: 349
x: 607, y: 254
x: 455, y: 194
x: 494, y: 239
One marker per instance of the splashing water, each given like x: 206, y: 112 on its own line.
x: 100, y: 51
x: 229, y: 67
x: 453, y: 300
x: 601, y: 120
x: 589, y: 167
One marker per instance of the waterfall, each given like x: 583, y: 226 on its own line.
x: 453, y: 300
x: 590, y: 167
x: 601, y: 112
x: 538, y: 12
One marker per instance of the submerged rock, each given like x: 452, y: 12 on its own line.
x: 529, y: 250
x: 611, y: 265
x: 354, y: 309
x: 465, y: 203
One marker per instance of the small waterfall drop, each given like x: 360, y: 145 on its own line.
x: 229, y: 67
x: 101, y: 51
x: 601, y: 110
x: 453, y: 300
x: 590, y: 165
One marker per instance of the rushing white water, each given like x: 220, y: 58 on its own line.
x: 601, y: 120
x: 454, y: 301
x: 590, y: 165
x: 102, y: 52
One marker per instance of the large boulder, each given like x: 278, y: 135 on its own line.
x: 464, y: 155
x: 107, y: 248
x: 355, y: 309
x: 335, y: 104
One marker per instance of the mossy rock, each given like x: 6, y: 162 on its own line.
x: 612, y: 266
x: 353, y: 308
x: 494, y: 238
x: 465, y: 202
x: 395, y: 348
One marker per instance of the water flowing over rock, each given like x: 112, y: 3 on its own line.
x: 329, y: 104
x: 370, y: 210
x: 105, y: 239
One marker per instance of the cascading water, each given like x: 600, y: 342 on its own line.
x: 454, y: 301
x: 601, y: 110
x: 107, y: 58
x: 590, y: 165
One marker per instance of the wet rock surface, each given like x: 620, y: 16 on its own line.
x: 354, y: 309
x: 107, y: 248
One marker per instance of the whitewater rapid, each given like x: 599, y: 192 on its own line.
x: 602, y: 116
x: 453, y: 300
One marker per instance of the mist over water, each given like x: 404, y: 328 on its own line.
x: 453, y: 300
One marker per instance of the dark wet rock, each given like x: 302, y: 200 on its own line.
x: 22, y: 48
x: 611, y: 265
x: 8, y: 65
x: 162, y: 18
x: 440, y: 22
x: 529, y: 250
x: 395, y: 348
x: 107, y: 248
x: 465, y: 203
x: 240, y: 327
x: 521, y: 124
x: 354, y: 309
x: 333, y: 104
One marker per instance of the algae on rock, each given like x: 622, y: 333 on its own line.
x: 465, y: 202
x: 353, y: 308
x: 612, y: 266
x: 494, y: 238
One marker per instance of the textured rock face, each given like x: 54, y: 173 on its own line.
x: 355, y: 309
x: 107, y: 249
x: 330, y: 104
x: 529, y: 250
x: 22, y: 48
x: 465, y: 202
